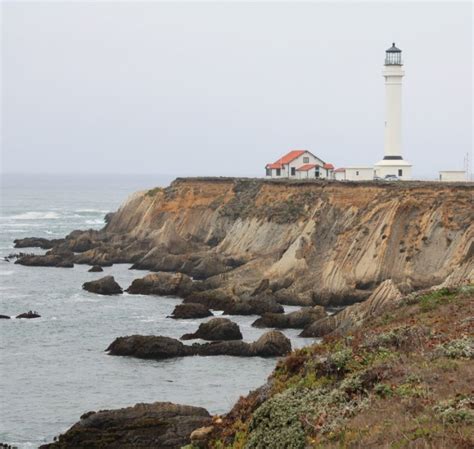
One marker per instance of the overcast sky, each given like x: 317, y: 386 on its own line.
x: 222, y: 89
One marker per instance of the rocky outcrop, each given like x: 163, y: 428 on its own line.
x: 217, y: 299
x: 190, y: 310
x: 312, y: 243
x: 149, y: 347
x: 103, y: 286
x: 29, y: 315
x: 95, y: 269
x: 256, y: 305
x: 270, y: 344
x: 161, y: 425
x: 385, y: 296
x: 164, y: 284
x: 216, y: 329
x: 294, y: 320
x: 37, y: 242
x: 47, y: 260
x: 4, y: 317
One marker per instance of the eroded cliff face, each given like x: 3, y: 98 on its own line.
x: 320, y: 240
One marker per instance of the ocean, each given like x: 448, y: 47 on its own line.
x: 54, y: 368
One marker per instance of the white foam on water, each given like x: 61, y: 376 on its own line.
x: 33, y: 215
x: 98, y: 211
x: 6, y: 273
x: 94, y: 222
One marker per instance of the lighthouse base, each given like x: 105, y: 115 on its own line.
x: 393, y: 167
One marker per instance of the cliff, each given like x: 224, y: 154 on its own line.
x: 316, y: 242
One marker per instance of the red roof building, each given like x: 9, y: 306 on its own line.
x: 299, y: 164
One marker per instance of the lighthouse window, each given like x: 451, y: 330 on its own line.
x: 400, y: 172
x: 357, y: 173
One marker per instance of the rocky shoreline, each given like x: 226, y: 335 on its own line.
x: 249, y: 247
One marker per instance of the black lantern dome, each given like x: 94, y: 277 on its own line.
x: 393, y: 56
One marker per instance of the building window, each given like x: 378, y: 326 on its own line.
x: 400, y: 172
x: 306, y: 160
x: 269, y: 171
x: 278, y: 171
x: 357, y: 173
x: 293, y: 171
x: 316, y: 173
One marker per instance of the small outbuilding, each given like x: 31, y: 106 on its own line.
x: 354, y: 174
x: 452, y: 176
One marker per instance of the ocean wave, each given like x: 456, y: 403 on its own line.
x: 91, y: 211
x: 95, y: 222
x: 36, y: 216
x: 6, y: 273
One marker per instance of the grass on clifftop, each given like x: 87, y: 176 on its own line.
x: 405, y: 381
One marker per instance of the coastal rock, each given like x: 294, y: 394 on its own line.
x: 216, y: 329
x: 161, y: 425
x: 29, y: 315
x: 95, y: 269
x: 386, y: 295
x: 294, y: 320
x: 47, y: 260
x: 162, y: 283
x: 270, y: 344
x: 103, y: 286
x: 190, y: 310
x: 5, y: 317
x: 254, y: 305
x: 200, y: 437
x: 37, y: 242
x: 291, y: 298
x: 149, y: 347
x: 217, y: 299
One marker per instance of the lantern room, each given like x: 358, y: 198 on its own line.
x: 393, y: 56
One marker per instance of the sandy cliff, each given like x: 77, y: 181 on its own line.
x: 328, y: 242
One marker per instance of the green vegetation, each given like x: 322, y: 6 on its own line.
x: 412, y: 370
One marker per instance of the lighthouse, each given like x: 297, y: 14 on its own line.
x: 393, y: 163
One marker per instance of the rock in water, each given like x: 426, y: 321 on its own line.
x: 103, y: 286
x: 148, y: 347
x: 190, y: 310
x: 95, y: 269
x: 271, y: 344
x: 4, y: 317
x: 37, y: 242
x: 162, y: 284
x: 47, y: 260
x: 216, y: 329
x: 294, y: 320
x: 161, y: 425
x: 256, y: 305
x: 29, y: 315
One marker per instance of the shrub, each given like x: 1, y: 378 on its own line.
x: 383, y: 390
x: 462, y: 348
x: 432, y: 300
x: 458, y: 410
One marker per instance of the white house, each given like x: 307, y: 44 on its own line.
x: 452, y: 175
x: 299, y: 164
x: 354, y: 174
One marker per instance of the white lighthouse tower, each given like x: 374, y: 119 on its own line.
x: 393, y: 163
